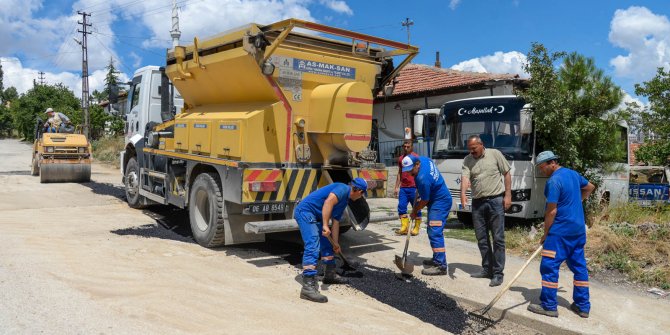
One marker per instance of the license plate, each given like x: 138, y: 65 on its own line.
x: 265, y: 208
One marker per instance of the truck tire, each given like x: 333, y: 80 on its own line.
x: 206, y: 211
x: 132, y: 185
x: 465, y: 218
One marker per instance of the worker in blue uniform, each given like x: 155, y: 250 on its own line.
x: 564, y: 236
x: 313, y: 214
x: 433, y: 193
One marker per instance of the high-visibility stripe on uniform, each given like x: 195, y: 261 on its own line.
x: 549, y: 284
x: 581, y: 283
x: 327, y: 258
x: 435, y: 223
x: 309, y: 267
x: 549, y: 253
x: 439, y: 249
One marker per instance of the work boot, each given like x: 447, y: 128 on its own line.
x: 404, y: 225
x: 417, y: 225
x: 482, y: 274
x: 310, y: 290
x: 496, y: 280
x: 429, y: 262
x: 537, y: 309
x: 331, y: 276
x: 434, y: 271
x: 578, y: 311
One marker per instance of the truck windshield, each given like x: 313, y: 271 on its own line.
x: 495, y: 120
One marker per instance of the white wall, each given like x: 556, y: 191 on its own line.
x: 390, y: 120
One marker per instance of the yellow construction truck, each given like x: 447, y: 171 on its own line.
x: 241, y: 126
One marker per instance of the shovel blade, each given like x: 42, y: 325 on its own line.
x: 404, y: 266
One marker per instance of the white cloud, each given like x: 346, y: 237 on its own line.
x: 338, y: 6
x: 31, y: 43
x: 646, y: 36
x: 203, y: 18
x: 499, y: 62
x: 15, y: 74
x: 453, y: 4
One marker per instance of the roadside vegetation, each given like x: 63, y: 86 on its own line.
x: 631, y: 240
x: 106, y: 150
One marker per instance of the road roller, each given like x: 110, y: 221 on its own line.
x: 61, y: 158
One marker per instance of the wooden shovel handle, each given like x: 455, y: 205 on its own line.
x: 500, y: 294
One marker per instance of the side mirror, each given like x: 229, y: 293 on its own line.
x: 526, y: 122
x: 418, y: 125
x: 113, y: 94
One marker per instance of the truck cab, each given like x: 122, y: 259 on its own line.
x: 144, y: 106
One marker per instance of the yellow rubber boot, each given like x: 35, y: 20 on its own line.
x: 404, y: 225
x: 417, y: 225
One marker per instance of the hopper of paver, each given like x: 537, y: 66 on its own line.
x: 269, y: 94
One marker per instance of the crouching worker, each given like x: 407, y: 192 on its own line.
x: 313, y: 214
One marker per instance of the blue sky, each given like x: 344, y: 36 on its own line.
x: 628, y: 39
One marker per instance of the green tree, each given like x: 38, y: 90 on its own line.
x: 657, y: 120
x: 111, y: 79
x: 573, y: 103
x: 34, y: 102
x: 10, y: 94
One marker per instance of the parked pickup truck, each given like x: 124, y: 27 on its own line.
x: 649, y: 185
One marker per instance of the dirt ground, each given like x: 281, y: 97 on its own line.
x: 75, y: 259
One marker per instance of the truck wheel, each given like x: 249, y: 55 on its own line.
x: 35, y: 169
x: 132, y: 185
x: 465, y: 218
x: 206, y: 211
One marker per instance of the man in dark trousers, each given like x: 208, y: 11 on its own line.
x: 564, y: 236
x: 433, y: 193
x: 313, y: 214
x: 487, y: 173
x: 405, y: 189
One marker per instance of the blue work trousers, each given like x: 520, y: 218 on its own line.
x: 406, y: 195
x: 315, y: 242
x: 437, y: 219
x: 557, y: 249
x: 488, y: 214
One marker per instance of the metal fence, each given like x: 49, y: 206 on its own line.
x: 389, y: 151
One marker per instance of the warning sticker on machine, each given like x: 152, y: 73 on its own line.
x: 289, y: 79
x: 325, y: 69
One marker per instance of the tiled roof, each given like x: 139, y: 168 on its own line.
x: 421, y: 78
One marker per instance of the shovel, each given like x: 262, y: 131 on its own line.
x: 406, y: 268
x: 347, y: 266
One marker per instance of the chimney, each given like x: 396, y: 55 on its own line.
x: 437, y: 60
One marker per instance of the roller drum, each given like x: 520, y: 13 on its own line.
x: 65, y: 172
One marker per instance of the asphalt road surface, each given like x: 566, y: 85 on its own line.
x: 75, y: 259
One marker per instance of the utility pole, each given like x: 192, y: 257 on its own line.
x: 84, y: 72
x: 407, y: 24
x: 41, y: 77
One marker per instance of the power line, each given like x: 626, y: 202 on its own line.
x: 112, y: 54
x: 154, y: 11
